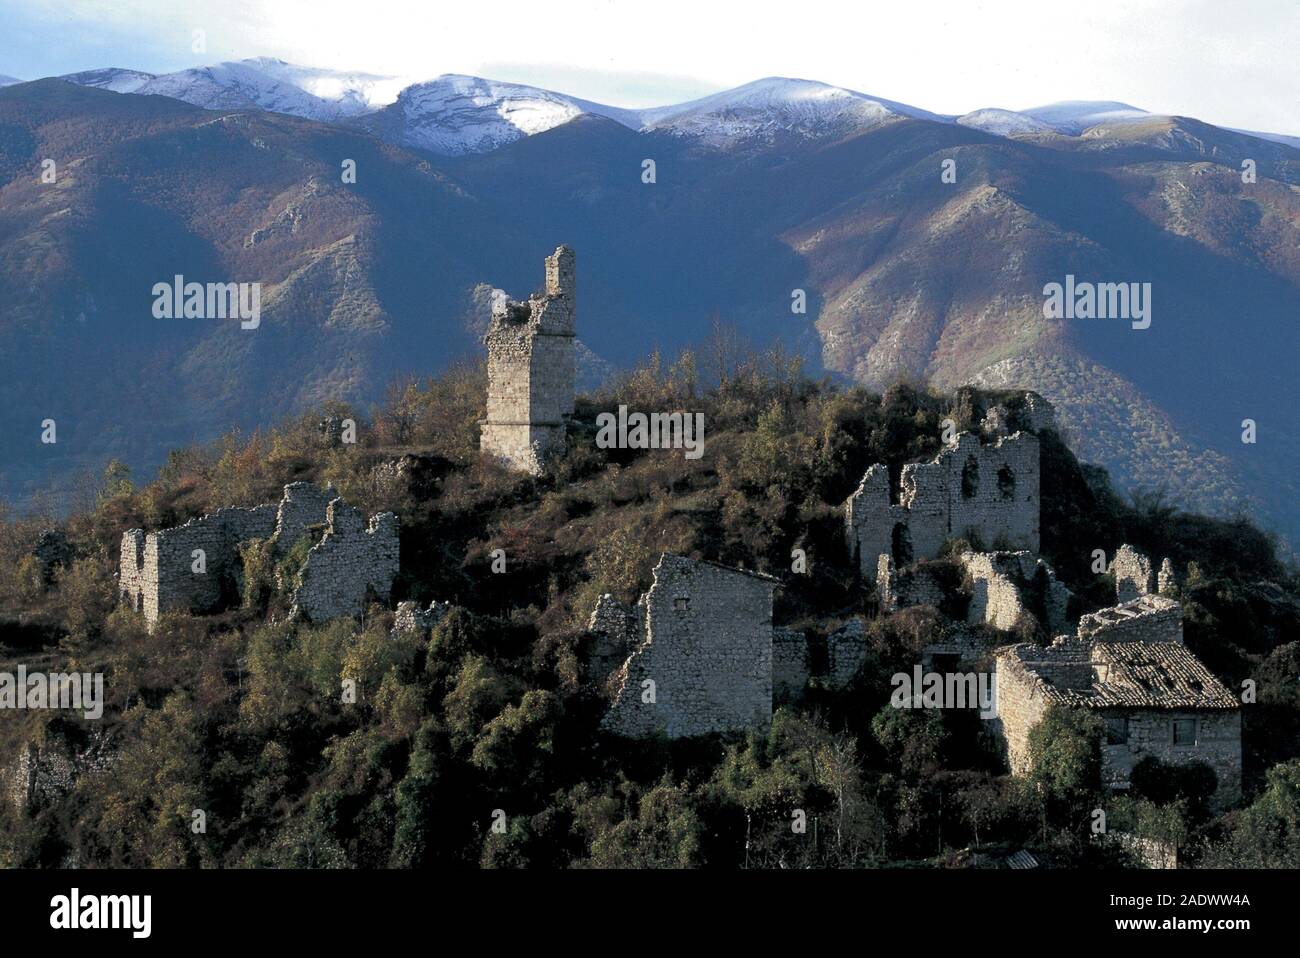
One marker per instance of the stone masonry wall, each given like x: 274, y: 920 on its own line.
x: 617, y: 630
x: 1150, y: 733
x: 156, y: 571
x: 708, y: 650
x: 47, y: 768
x: 1005, y: 586
x: 989, y: 492
x: 302, y: 506
x: 1021, y: 704
x: 915, y: 585
x: 351, y: 560
x: 1133, y: 574
x: 1078, y: 672
x: 995, y: 594
x: 531, y: 371
x: 846, y: 650
x: 1150, y: 618
x: 789, y: 664
x: 410, y: 617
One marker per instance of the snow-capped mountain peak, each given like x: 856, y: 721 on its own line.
x: 455, y: 114
x: 775, y: 105
x: 115, y: 79
x: 261, y: 83
x: 1003, y: 122
x: 1072, y: 117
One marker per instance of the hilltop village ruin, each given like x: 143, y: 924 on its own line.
x: 699, y: 652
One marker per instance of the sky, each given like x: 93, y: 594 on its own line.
x: 1235, y: 63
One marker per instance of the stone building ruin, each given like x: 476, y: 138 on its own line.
x: 1007, y: 587
x: 1128, y: 662
x: 798, y: 659
x: 1148, y: 618
x: 1156, y: 699
x: 1134, y: 576
x: 531, y: 373
x: 47, y: 766
x: 352, y: 562
x: 197, y: 567
x: 696, y: 651
x: 988, y: 492
x: 411, y: 618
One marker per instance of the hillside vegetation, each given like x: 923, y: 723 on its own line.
x: 239, y: 714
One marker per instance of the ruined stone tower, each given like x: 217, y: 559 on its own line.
x: 531, y: 370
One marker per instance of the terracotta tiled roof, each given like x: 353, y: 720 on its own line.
x: 1139, y: 675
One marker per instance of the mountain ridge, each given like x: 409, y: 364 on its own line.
x: 905, y: 275
x: 453, y: 114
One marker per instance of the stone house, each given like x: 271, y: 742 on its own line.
x: 695, y: 651
x: 1155, y: 698
x: 531, y: 372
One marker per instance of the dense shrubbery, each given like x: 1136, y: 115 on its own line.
x: 243, y: 716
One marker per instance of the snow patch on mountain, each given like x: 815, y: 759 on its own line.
x: 456, y: 115
x: 1003, y: 122
x: 260, y: 83
x: 1072, y: 117
x: 115, y: 79
x: 773, y: 106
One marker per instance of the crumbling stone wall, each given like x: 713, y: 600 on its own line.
x: 914, y: 585
x: 1006, y: 586
x: 995, y: 588
x: 351, y: 561
x: 302, y: 506
x: 962, y: 646
x: 1166, y: 583
x: 410, y: 617
x: 989, y: 492
x: 1133, y: 574
x: 46, y: 769
x: 707, y: 649
x: 795, y: 662
x: 846, y: 650
x: 156, y: 571
x: 790, y: 666
x: 617, y: 631
x: 1025, y: 677
x: 1149, y: 618
x: 531, y: 373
